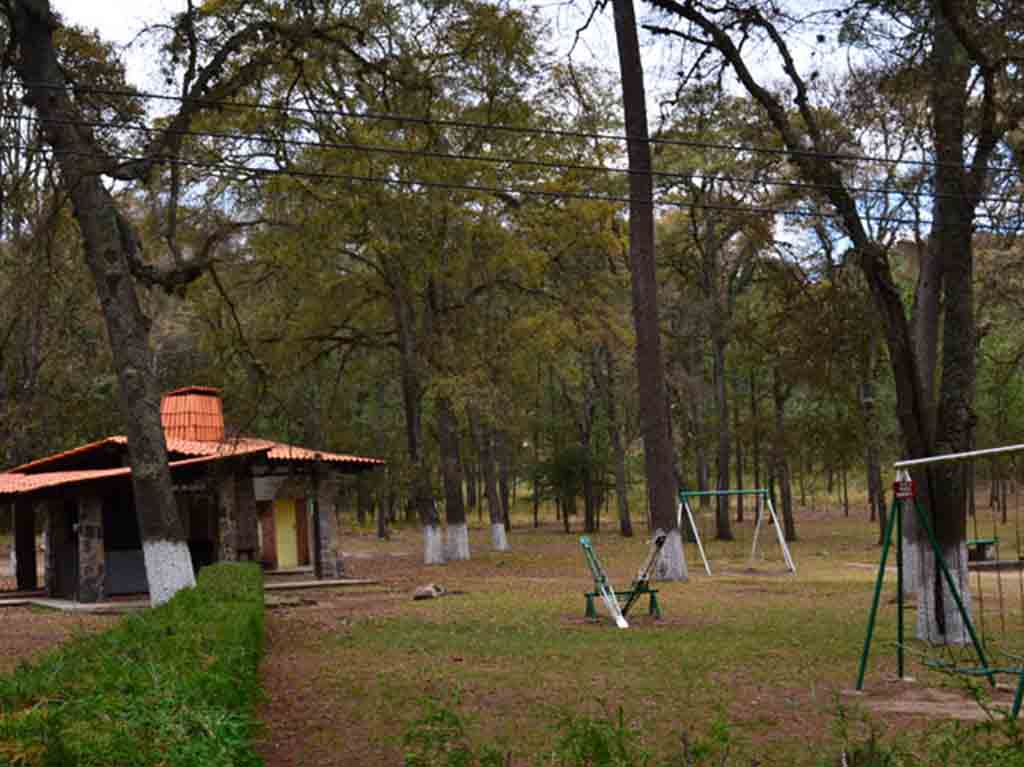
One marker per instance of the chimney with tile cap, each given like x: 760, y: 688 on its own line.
x: 193, y: 413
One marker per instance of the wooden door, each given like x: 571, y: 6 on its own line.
x: 286, y: 528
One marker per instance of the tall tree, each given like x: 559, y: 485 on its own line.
x: 654, y: 415
x: 970, y: 117
x: 112, y: 245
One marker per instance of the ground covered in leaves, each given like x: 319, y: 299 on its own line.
x: 769, y: 657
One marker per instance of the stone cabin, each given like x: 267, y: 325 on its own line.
x: 240, y: 498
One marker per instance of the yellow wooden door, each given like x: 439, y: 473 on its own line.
x: 287, y: 534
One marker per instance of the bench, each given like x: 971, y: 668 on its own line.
x: 978, y: 549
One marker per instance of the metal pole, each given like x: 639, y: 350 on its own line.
x: 958, y: 456
x: 696, y: 536
x: 708, y: 493
x: 778, y: 532
x: 886, y: 543
x: 757, y: 533
x: 899, y: 589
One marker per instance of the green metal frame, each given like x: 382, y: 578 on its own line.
x: 895, y: 523
x: 624, y: 600
x: 653, y: 607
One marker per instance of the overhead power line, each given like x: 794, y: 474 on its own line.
x: 525, y: 130
x: 232, y: 171
x: 558, y: 165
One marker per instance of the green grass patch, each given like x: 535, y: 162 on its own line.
x: 766, y: 658
x: 172, y: 686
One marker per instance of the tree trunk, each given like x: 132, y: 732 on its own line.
x: 364, y: 499
x: 385, y: 509
x: 756, y: 431
x: 739, y: 452
x: 485, y: 438
x: 110, y: 242
x: 780, y: 395
x: 470, y: 467
x: 457, y: 546
x: 421, y: 494
x: 872, y: 446
x: 723, y: 527
x: 503, y: 458
x: 618, y: 449
x: 650, y: 368
x: 846, y: 491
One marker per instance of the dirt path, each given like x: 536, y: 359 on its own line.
x: 26, y: 632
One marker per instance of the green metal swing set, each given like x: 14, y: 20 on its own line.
x: 904, y: 496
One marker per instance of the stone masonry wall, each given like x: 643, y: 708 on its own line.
x: 91, y: 553
x: 227, y: 518
x: 327, y: 553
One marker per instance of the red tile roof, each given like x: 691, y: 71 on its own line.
x: 193, y: 413
x: 283, y: 452
x: 80, y: 450
x: 194, y: 426
x: 14, y: 483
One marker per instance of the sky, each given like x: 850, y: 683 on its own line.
x: 119, y: 21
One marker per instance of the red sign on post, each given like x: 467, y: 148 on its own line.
x: 904, y: 489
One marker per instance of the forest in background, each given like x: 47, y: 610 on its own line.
x: 417, y: 249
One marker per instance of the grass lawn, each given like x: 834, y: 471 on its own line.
x: 511, y: 653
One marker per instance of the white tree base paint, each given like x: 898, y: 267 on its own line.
x: 911, y: 553
x: 927, y: 627
x: 458, y: 542
x: 433, y: 546
x: 499, y: 540
x: 672, y: 563
x: 168, y: 569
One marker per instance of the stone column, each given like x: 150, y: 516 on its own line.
x: 50, y: 530
x: 227, y: 517
x: 327, y: 559
x: 25, y: 543
x: 91, y: 552
x: 246, y: 517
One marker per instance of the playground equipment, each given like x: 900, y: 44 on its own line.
x: 611, y: 597
x: 762, y: 504
x: 1002, y: 474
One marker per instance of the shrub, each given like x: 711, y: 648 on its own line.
x: 172, y: 686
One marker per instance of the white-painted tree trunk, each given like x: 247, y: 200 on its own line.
x: 911, y: 567
x: 458, y: 542
x: 168, y: 569
x: 14, y: 560
x: 433, y: 545
x: 672, y: 563
x: 499, y: 540
x: 927, y: 625
x: 911, y: 553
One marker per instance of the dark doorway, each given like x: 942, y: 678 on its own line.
x: 64, y: 541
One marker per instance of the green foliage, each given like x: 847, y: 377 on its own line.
x: 598, y: 742
x: 997, y: 741
x: 438, y: 739
x: 172, y: 686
